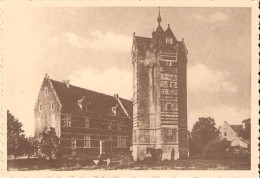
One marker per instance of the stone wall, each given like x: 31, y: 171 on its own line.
x: 47, y: 109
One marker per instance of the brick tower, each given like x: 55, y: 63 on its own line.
x: 159, y: 94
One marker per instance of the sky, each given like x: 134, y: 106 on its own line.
x: 91, y: 47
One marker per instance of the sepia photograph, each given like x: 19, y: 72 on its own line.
x: 129, y: 87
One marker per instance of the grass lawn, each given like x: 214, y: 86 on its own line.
x: 123, y: 161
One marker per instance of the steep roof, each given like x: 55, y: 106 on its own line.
x: 142, y: 42
x: 169, y: 33
x: 237, y: 128
x: 69, y: 97
x: 158, y: 36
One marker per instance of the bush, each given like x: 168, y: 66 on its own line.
x: 217, y: 149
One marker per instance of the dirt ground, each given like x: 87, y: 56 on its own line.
x: 123, y: 161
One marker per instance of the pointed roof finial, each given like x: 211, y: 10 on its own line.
x: 159, y: 19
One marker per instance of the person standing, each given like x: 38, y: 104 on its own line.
x: 172, y: 154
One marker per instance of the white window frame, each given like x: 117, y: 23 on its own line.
x: 87, y: 141
x: 168, y: 40
x: 67, y: 121
x: 168, y: 63
x: 73, y: 142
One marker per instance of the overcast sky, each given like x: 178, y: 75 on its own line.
x: 92, y: 48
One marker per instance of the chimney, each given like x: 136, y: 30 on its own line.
x: 66, y: 82
x: 116, y: 96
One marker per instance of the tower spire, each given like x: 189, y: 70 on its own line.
x: 159, y: 19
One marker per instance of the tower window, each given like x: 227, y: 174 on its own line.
x: 168, y: 40
x: 168, y: 63
x: 225, y: 134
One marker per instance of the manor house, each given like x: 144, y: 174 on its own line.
x: 82, y: 118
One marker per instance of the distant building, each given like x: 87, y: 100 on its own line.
x: 159, y: 94
x: 82, y: 118
x: 246, y: 124
x: 232, y: 134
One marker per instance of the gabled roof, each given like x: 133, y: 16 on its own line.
x: 93, y: 101
x: 237, y: 128
x: 168, y: 33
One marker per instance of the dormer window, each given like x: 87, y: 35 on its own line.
x: 168, y: 40
x: 114, y: 109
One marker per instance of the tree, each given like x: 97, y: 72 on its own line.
x: 246, y: 132
x: 217, y: 149
x: 29, y: 146
x: 202, y: 133
x: 49, y: 144
x: 14, y: 135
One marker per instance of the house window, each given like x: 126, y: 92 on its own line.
x: 168, y: 40
x: 119, y: 126
x: 109, y: 125
x: 87, y: 123
x: 73, y: 142
x: 175, y: 59
x: 67, y: 121
x: 168, y: 63
x: 52, y: 106
x: 173, y: 84
x: 87, y: 141
x: 225, y: 134
x: 123, y: 142
x: 40, y: 107
x: 53, y: 121
x: 118, y: 142
x: 46, y: 91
